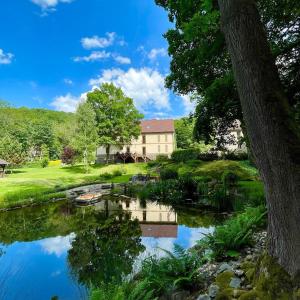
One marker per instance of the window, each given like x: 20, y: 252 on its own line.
x: 166, y: 148
x: 144, y: 215
x: 158, y: 138
x: 128, y: 149
x: 144, y: 150
x: 158, y: 148
x: 144, y: 139
x: 166, y: 137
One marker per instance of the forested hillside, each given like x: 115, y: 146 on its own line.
x: 25, y: 132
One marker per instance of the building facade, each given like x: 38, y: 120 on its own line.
x: 157, y: 137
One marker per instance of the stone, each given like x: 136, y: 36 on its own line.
x: 224, y: 267
x: 239, y: 273
x: 235, y: 283
x: 203, y: 297
x: 213, y: 290
x: 249, y: 257
x: 180, y: 295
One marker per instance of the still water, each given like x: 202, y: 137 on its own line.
x: 58, y: 250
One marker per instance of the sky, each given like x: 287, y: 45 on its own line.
x: 52, y: 52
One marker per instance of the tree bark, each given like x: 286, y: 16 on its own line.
x: 274, y: 137
x: 107, y: 153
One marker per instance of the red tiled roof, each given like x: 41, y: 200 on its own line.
x: 158, y: 230
x: 153, y: 126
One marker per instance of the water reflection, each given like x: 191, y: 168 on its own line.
x: 44, y: 245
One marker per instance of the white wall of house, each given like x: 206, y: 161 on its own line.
x: 149, y: 144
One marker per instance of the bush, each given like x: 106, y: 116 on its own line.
x: 235, y: 233
x: 208, y: 156
x: 229, y: 179
x: 237, y: 155
x: 107, y: 175
x: 183, y: 155
x: 177, y: 271
x: 44, y: 162
x: 168, y: 173
x: 54, y: 163
x: 117, y: 173
x: 162, y: 158
x: 68, y: 155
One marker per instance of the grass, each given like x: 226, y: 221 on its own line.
x: 40, y: 183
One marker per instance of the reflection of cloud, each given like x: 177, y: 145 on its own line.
x: 56, y: 273
x: 57, y: 245
x: 198, y: 234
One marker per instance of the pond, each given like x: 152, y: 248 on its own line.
x: 57, y: 251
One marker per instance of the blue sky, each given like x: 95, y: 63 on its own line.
x: 54, y: 51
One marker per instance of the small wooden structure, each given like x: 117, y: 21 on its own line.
x: 132, y: 157
x: 3, y: 165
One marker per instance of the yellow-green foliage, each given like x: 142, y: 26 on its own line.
x: 54, y: 163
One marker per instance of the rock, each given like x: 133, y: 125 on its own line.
x: 203, y: 297
x: 180, y: 295
x: 213, y: 290
x: 249, y: 257
x: 249, y: 287
x: 239, y: 273
x: 224, y: 267
x: 235, y: 283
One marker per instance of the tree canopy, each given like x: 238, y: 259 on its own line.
x: 118, y: 121
x: 201, y: 65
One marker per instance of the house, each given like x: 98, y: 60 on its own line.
x: 157, y: 137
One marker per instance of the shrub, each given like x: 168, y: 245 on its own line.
x: 107, y: 175
x: 178, y: 270
x: 168, y: 173
x: 162, y: 158
x: 68, y: 155
x: 229, y: 178
x: 44, y: 162
x: 208, y: 156
x: 54, y: 163
x: 183, y: 155
x: 235, y: 233
x: 237, y: 155
x: 117, y: 173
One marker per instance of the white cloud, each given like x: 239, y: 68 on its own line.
x: 49, y: 5
x: 155, y: 52
x: 122, y: 59
x: 145, y: 86
x: 98, y: 42
x: 94, y: 56
x: 68, y: 81
x: 5, y: 58
x: 67, y: 103
x: 58, y: 245
x: 189, y: 105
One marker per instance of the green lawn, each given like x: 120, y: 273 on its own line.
x: 34, y: 182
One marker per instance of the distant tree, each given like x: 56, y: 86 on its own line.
x: 86, y: 138
x: 11, y: 150
x: 118, y: 121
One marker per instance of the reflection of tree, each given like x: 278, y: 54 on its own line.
x: 105, y: 253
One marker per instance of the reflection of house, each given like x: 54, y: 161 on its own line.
x: 157, y: 137
x: 150, y: 212
x: 156, y: 220
x: 159, y: 230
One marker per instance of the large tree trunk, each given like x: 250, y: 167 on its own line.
x: 273, y: 136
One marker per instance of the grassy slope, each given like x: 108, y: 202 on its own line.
x: 28, y: 182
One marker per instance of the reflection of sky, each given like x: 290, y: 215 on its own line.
x: 187, y: 237
x: 58, y: 245
x: 37, y: 271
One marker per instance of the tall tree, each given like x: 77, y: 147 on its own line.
x: 274, y: 136
x: 86, y: 138
x: 202, y: 62
x: 118, y: 121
